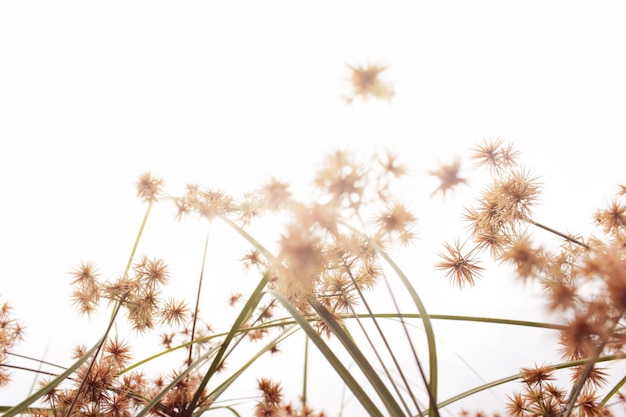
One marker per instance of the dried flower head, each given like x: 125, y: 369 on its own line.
x: 561, y: 293
x: 86, y: 294
x: 235, y: 297
x: 337, y: 292
x: 250, y: 207
x: 461, y: 269
x: 253, y: 258
x: 515, y: 194
x: 609, y: 263
x: 590, y: 405
x: 366, y: 83
x: 537, y: 375
x: 579, y: 338
x: 397, y: 222
x: 174, y: 312
x: 495, y: 155
x: 517, y: 405
x: 118, y: 351
x: 275, y: 193
x: 528, y: 261
x: 341, y: 178
x: 303, y: 260
x: 152, y: 273
x: 207, y: 203
x: 119, y: 405
x: 85, y: 275
x: 613, y: 218
x: 79, y: 351
x: 597, y: 376
x: 148, y: 188
x: 271, y: 403
x: 391, y: 165
x: 11, y: 331
x: 449, y: 177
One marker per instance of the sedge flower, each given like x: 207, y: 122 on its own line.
x: 461, y: 269
x: 366, y: 83
x: 449, y: 177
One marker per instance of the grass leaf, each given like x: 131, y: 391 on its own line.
x: 332, y: 359
x: 22, y: 407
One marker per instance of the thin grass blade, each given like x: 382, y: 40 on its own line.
x: 332, y: 359
x: 359, y: 358
x: 22, y: 407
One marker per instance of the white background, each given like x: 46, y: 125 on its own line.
x: 225, y: 94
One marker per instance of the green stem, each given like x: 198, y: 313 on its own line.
x: 199, y: 290
x: 136, y: 245
x: 613, y: 391
x: 306, y: 370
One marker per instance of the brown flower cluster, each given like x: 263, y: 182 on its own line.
x: 321, y: 254
x: 498, y: 221
x: 584, y: 281
x: 104, y: 388
x: 328, y: 255
x: 138, y: 293
x: 272, y: 403
x: 541, y: 397
x: 11, y: 332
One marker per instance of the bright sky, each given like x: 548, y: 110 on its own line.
x: 225, y: 94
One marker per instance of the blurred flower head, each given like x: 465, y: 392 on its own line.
x: 366, y: 83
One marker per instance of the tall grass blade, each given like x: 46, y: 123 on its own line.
x: 360, y: 359
x: 428, y: 327
x: 243, y: 316
x: 198, y: 292
x: 332, y: 359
